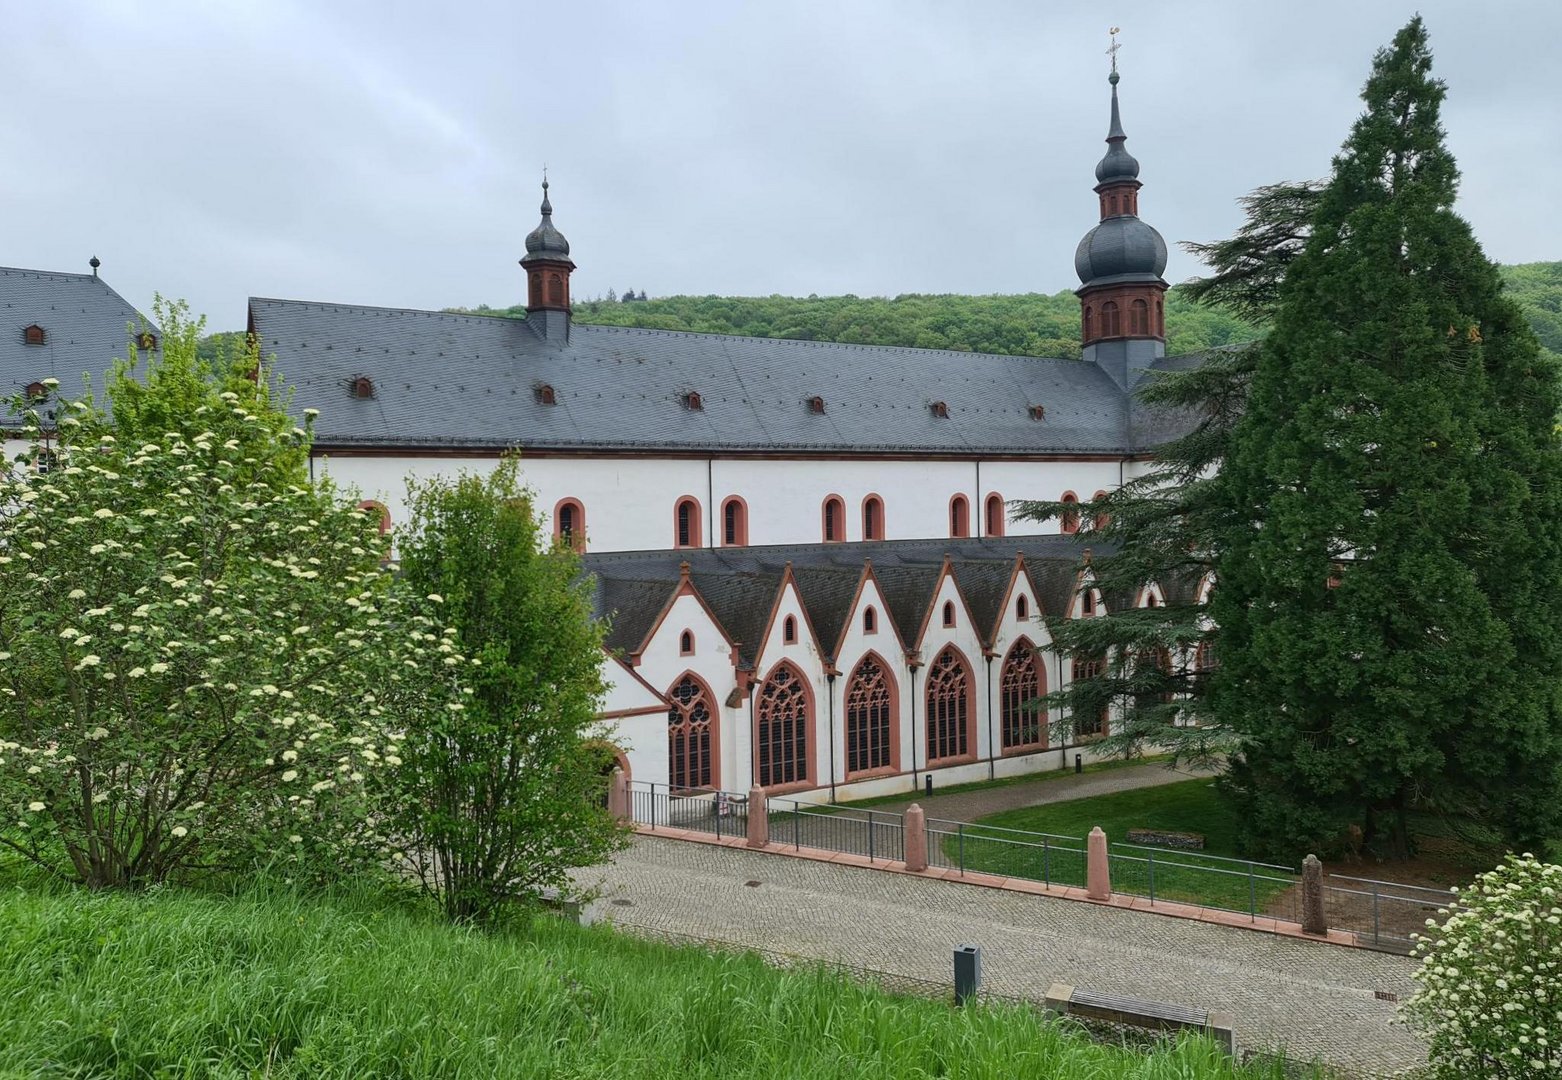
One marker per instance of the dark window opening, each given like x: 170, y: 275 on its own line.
x: 948, y: 707
x: 949, y: 612
x: 873, y: 519
x: 959, y: 517
x: 1019, y: 686
x: 1021, y: 608
x: 995, y: 521
x: 686, y: 643
x: 545, y: 395
x: 789, y: 630
x: 870, y: 621
x: 816, y: 404
x: 869, y: 718
x: 783, y: 722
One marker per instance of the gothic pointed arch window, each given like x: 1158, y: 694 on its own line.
x: 949, y: 707
x: 1083, y: 668
x: 870, y: 717
x: 1022, y: 607
x: 995, y: 517
x: 959, y: 516
x: 1111, y: 320
x: 1022, y: 682
x: 1139, y: 318
x: 690, y: 735
x: 782, y: 720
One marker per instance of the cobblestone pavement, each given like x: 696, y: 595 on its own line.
x: 1313, y: 1001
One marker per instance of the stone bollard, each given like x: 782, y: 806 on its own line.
x: 1098, y: 874
x: 758, y: 818
x: 916, y: 838
x: 1313, y: 921
x: 618, y: 796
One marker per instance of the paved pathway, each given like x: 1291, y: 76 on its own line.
x: 1315, y: 1001
x: 971, y: 805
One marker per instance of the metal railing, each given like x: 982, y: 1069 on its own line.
x: 1181, y: 876
x: 1385, y: 914
x: 989, y: 849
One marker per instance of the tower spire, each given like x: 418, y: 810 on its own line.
x: 548, y: 268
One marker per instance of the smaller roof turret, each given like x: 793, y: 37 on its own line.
x: 545, y: 243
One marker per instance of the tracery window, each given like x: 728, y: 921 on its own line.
x: 1020, y: 684
x: 1090, y: 667
x: 783, y: 719
x: 869, y: 717
x: 948, y: 707
x: 689, y: 723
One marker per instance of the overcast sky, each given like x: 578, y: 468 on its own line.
x: 388, y: 152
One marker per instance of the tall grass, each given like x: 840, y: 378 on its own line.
x: 176, y: 984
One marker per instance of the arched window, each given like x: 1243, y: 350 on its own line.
x: 873, y: 518
x: 1021, y: 608
x: 687, y: 524
x: 789, y: 630
x: 870, y: 717
x: 555, y: 289
x: 1101, y: 517
x: 1070, y: 520
x: 1087, y: 601
x: 1021, y: 683
x: 948, y: 707
x: 1204, y: 657
x: 1139, y: 317
x: 834, y: 514
x: 1160, y: 319
x: 686, y: 643
x: 959, y: 516
x: 783, y: 717
x: 569, y: 523
x: 690, y: 759
x: 995, y: 520
x: 870, y: 621
x: 1157, y: 659
x: 949, y: 612
x: 1088, y: 312
x: 734, y: 522
x: 1083, y: 668
x: 378, y: 509
x: 1111, y: 320
x: 536, y: 288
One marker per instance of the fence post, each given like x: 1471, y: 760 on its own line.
x: 916, y: 838
x: 797, y: 827
x: 1313, y: 921
x: 618, y: 796
x: 1098, y: 873
x: 758, y: 818
x: 870, y: 835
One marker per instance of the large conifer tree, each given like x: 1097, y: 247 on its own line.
x: 1390, y: 584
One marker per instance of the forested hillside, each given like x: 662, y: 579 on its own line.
x: 1027, y: 324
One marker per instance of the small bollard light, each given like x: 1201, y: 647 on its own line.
x: 929, y: 779
x: 968, y: 972
x: 1079, y: 763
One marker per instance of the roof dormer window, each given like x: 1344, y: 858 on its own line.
x: 146, y: 341
x: 1038, y: 412
x: 34, y: 335
x: 691, y: 400
x: 35, y: 391
x: 545, y: 394
x: 816, y: 404
x: 362, y: 387
x: 940, y: 410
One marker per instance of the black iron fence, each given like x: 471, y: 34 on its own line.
x: 988, y: 849
x: 1190, y: 877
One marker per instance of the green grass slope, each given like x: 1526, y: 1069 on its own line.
x: 173, y: 984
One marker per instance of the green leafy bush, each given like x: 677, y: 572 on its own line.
x: 1490, y: 999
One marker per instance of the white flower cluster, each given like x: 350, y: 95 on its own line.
x: 1490, y: 996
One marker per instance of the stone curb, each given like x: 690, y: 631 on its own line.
x: 1213, y: 916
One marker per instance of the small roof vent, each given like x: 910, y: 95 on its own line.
x: 35, y: 391
x: 146, y: 341
x: 35, y: 335
x: 940, y: 410
x: 816, y: 404
x: 692, y: 400
x: 1038, y: 412
x: 361, y: 386
x: 545, y: 395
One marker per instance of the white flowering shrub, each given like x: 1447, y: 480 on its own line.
x: 202, y: 662
x: 1490, y: 996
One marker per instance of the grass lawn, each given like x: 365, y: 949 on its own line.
x: 1001, y: 782
x: 189, y: 985
x: 1188, y: 806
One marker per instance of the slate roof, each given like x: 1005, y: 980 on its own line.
x: 470, y: 381
x: 86, y: 324
x: 741, y: 584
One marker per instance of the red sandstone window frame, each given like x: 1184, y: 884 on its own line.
x: 949, y: 613
x: 959, y: 516
x: 1069, y: 521
x: 949, y: 713
x: 686, y: 643
x: 789, y: 630
x: 832, y: 519
x: 873, y: 517
x: 379, y: 508
x: 686, y: 523
x: 783, y: 758
x: 1022, y: 678
x: 1022, y: 607
x: 1101, y: 518
x: 683, y: 719
x: 995, y: 517
x: 35, y: 335
x: 1090, y: 668
x: 575, y: 534
x: 872, y: 716
x: 1111, y: 319
x: 870, y: 620
x: 734, y: 521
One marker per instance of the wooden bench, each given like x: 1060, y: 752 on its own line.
x: 1155, y: 1015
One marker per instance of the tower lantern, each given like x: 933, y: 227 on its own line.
x: 548, y: 267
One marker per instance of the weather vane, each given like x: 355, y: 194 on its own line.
x: 1112, y: 49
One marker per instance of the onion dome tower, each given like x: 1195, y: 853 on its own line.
x: 1120, y: 262
x: 548, y: 268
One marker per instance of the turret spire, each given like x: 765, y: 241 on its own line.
x: 548, y: 268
